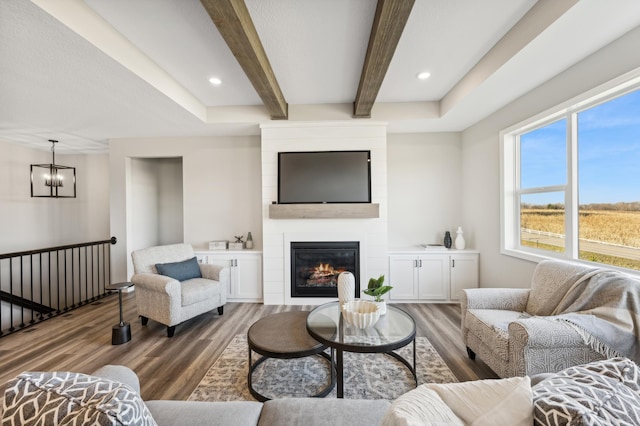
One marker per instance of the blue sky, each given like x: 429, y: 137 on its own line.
x: 608, y: 156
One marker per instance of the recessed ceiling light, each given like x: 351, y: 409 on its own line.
x: 215, y: 81
x: 424, y: 75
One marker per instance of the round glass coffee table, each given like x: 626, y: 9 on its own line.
x: 393, y: 330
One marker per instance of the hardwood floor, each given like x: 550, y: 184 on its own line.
x: 170, y: 368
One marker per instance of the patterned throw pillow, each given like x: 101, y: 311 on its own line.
x: 420, y: 406
x: 599, y: 393
x: 35, y: 398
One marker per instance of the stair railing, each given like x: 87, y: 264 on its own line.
x: 39, y: 284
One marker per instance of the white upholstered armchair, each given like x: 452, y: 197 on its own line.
x: 186, y: 289
x: 518, y: 332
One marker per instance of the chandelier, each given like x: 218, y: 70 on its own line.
x: 53, y: 180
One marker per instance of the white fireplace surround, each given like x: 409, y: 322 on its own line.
x: 278, y: 233
x: 320, y: 237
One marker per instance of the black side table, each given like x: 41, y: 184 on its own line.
x: 121, y: 333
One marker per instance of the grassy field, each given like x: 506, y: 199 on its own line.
x: 614, y: 227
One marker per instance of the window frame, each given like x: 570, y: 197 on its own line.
x: 510, y: 191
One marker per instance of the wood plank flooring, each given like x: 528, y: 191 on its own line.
x: 170, y: 368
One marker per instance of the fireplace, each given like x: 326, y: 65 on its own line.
x: 315, y: 266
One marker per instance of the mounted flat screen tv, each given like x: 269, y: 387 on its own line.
x: 324, y: 177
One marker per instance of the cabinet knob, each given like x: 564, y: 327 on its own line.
x: 453, y: 263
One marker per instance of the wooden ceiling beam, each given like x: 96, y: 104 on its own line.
x: 389, y: 22
x: 232, y: 19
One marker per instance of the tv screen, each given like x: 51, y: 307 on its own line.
x: 324, y: 177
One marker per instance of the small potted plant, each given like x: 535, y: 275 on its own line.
x: 376, y: 290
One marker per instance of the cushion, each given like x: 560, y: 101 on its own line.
x: 322, y: 412
x: 492, y: 327
x: 72, y: 399
x: 502, y: 402
x: 181, y: 271
x: 599, y: 393
x: 420, y: 406
x: 550, y: 282
x: 210, y: 413
x: 197, y: 290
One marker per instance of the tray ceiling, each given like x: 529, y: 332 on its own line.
x: 88, y: 71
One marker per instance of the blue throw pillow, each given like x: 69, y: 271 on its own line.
x: 180, y: 271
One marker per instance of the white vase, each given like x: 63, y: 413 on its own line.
x: 383, y: 306
x: 346, y: 288
x: 460, y: 242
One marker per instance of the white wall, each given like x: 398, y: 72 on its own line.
x: 170, y: 205
x: 221, y: 186
x: 278, y: 233
x: 481, y: 154
x: 32, y: 223
x: 424, y: 188
x: 144, y: 203
x: 456, y: 177
x: 156, y: 202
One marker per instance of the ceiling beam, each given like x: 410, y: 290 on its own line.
x: 232, y: 19
x: 389, y: 22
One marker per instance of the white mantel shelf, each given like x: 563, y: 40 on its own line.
x: 324, y: 211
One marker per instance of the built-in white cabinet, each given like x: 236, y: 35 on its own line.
x: 432, y: 276
x: 246, y: 272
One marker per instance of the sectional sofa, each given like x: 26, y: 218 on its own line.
x: 603, y: 392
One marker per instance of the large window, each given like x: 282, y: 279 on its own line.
x: 571, y: 182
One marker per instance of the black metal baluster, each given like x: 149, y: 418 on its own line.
x: 73, y: 285
x: 21, y: 293
x: 31, y: 285
x: 49, y: 275
x: 103, y: 270
x: 86, y: 277
x: 58, y: 281
x: 11, y: 327
x: 66, y: 287
x: 93, y: 289
x: 41, y: 316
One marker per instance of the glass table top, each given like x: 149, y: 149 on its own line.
x: 393, y: 330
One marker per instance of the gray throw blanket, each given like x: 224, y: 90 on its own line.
x: 604, y: 308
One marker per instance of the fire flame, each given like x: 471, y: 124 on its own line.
x: 324, y: 267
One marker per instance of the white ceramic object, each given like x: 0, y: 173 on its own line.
x: 361, y: 313
x: 460, y: 243
x: 383, y: 306
x: 346, y: 287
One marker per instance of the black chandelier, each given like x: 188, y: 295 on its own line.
x: 53, y: 180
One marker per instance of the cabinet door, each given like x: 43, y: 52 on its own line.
x: 433, y: 276
x: 248, y: 275
x: 402, y: 276
x: 464, y: 273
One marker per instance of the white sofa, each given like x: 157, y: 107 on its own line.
x: 169, y: 301
x: 520, y: 332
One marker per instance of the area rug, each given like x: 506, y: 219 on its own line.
x: 366, y: 376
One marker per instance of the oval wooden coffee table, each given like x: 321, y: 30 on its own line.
x: 284, y: 335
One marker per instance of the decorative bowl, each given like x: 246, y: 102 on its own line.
x: 361, y: 313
